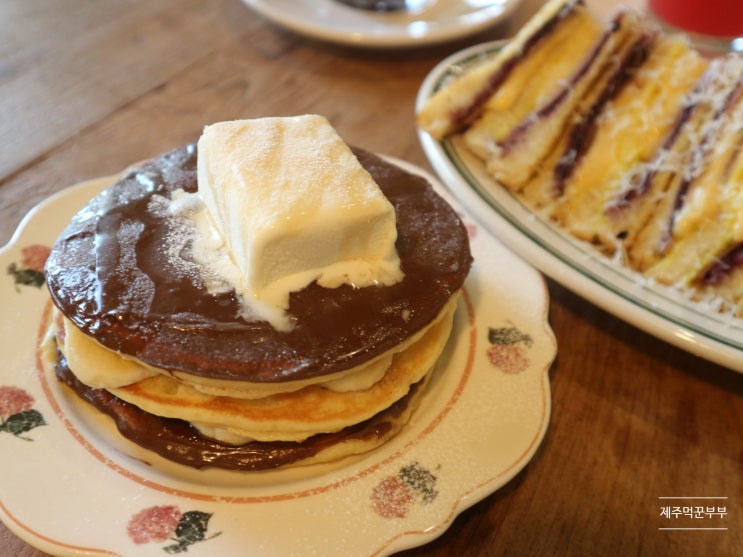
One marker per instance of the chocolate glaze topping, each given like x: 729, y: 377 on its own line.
x: 108, y: 274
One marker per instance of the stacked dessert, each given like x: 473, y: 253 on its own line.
x: 263, y: 298
x: 625, y: 136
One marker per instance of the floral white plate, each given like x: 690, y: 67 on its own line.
x: 662, y: 312
x: 435, y: 21
x: 68, y: 489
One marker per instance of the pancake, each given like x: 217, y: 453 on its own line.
x: 292, y: 415
x: 186, y: 364
x: 178, y: 441
x: 107, y: 274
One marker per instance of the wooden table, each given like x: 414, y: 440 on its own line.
x: 86, y: 88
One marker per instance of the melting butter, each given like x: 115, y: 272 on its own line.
x: 292, y: 205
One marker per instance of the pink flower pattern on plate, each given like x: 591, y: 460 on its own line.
x: 508, y: 349
x: 154, y: 524
x: 395, y: 495
x: 30, y: 272
x: 34, y: 257
x: 17, y: 415
x: 13, y: 401
x: 161, y: 523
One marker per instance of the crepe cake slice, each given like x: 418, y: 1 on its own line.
x: 707, y: 226
x: 628, y: 132
x: 722, y: 283
x: 644, y: 214
x: 460, y: 102
x: 708, y: 257
x: 722, y: 280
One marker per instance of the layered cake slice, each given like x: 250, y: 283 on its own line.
x: 554, y: 88
x: 621, y: 48
x: 706, y: 228
x: 629, y: 140
x: 529, y: 107
x: 648, y: 212
x: 632, y: 126
x: 462, y: 101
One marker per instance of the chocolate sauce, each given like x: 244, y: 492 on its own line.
x: 108, y: 275
x: 180, y: 442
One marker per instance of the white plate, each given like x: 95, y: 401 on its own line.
x: 436, y: 21
x: 663, y: 312
x: 66, y: 488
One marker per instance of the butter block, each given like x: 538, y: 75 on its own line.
x: 293, y: 205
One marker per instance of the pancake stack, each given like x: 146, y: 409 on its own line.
x: 141, y: 332
x: 622, y: 135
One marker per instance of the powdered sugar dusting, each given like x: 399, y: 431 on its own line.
x: 195, y: 249
x: 139, y: 297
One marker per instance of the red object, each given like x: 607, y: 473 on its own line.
x: 721, y: 18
